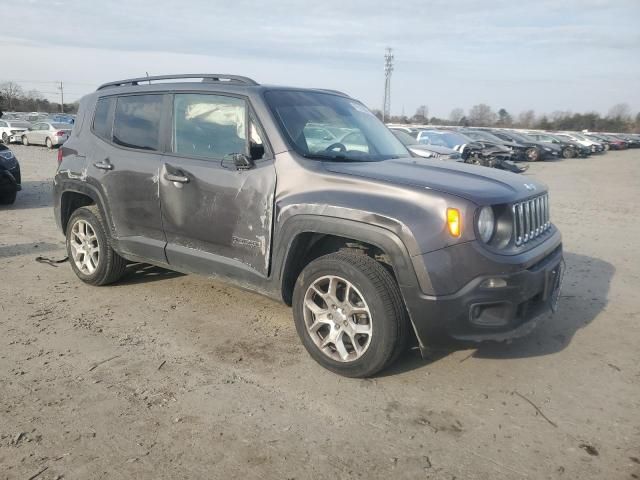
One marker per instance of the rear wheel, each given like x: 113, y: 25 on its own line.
x: 349, y: 314
x: 49, y: 143
x: 89, y: 248
x: 532, y: 154
x: 25, y: 140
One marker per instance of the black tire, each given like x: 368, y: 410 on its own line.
x: 25, y: 141
x: 8, y: 198
x: 111, y: 266
x: 532, y: 154
x: 5, y: 138
x: 382, y: 295
x: 568, y: 153
x: 49, y: 143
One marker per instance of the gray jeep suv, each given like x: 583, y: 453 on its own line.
x: 305, y: 196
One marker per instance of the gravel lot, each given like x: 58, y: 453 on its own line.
x: 171, y: 376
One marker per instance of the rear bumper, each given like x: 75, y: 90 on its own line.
x: 477, y: 313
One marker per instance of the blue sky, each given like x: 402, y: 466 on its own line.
x: 571, y: 55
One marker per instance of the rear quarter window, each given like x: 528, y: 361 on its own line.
x: 137, y: 121
x: 101, y: 123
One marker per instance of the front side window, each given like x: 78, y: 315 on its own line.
x: 101, y: 123
x: 317, y: 125
x: 136, y: 122
x: 210, y: 126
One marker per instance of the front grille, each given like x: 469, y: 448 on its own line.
x: 530, y: 219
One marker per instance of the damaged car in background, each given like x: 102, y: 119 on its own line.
x: 10, y: 178
x: 472, y: 151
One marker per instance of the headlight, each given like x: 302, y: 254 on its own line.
x: 486, y: 224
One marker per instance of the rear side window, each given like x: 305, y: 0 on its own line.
x: 137, y: 121
x: 101, y: 123
x: 210, y: 126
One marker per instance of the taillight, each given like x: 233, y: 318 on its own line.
x: 59, y: 156
x: 60, y: 133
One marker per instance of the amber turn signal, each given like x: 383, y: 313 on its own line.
x: 454, y: 222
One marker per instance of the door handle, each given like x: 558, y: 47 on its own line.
x: 172, y: 177
x: 104, y: 165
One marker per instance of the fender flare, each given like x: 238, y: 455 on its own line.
x: 384, y: 239
x: 84, y: 188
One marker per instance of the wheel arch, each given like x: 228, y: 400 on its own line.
x: 311, y: 236
x: 75, y: 195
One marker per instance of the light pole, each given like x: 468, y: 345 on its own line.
x: 388, y: 68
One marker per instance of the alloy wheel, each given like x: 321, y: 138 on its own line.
x: 85, y: 249
x: 337, y: 318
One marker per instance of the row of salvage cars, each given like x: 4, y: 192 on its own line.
x: 50, y: 130
x: 503, y: 148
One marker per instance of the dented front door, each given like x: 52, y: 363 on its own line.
x: 217, y: 219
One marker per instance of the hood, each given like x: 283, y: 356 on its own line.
x: 432, y: 148
x: 478, y: 184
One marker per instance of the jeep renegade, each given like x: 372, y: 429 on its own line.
x: 305, y: 196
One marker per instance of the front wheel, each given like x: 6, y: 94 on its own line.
x: 25, y: 141
x: 89, y: 248
x: 5, y: 138
x: 568, y: 153
x: 349, y: 314
x: 532, y: 154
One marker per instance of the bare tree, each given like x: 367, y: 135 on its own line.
x: 456, y: 115
x: 527, y: 119
x: 10, y: 91
x: 620, y: 111
x: 482, y: 115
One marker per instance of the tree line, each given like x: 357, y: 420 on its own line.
x: 619, y: 119
x: 13, y: 98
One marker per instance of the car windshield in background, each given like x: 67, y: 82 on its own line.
x: 20, y: 124
x: 482, y: 135
x: 404, y: 137
x: 444, y: 139
x: 326, y: 126
x: 520, y: 137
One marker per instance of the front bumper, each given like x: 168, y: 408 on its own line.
x: 478, y: 313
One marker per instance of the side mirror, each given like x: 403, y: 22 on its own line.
x: 242, y: 161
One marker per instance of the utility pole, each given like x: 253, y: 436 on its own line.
x: 61, y: 88
x: 388, y: 68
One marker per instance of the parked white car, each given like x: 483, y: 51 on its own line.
x: 576, y: 137
x: 46, y: 133
x: 11, y: 130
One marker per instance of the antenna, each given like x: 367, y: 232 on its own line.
x: 388, y: 68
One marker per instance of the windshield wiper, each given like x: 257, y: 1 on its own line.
x: 317, y: 156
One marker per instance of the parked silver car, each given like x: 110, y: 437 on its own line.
x: 11, y: 130
x: 46, y: 133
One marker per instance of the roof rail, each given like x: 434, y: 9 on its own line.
x: 206, y: 77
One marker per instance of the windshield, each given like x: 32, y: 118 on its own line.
x: 19, y: 124
x: 444, y: 139
x: 326, y: 126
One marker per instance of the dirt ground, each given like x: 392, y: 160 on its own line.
x: 171, y: 376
